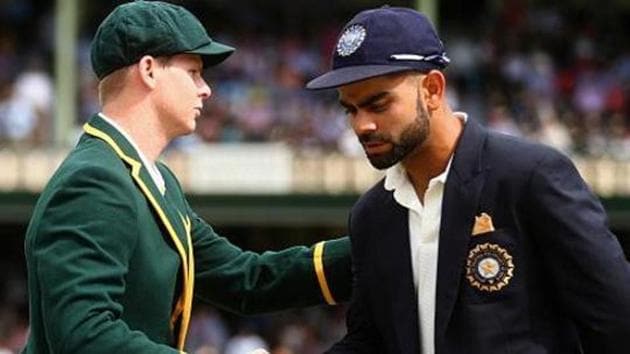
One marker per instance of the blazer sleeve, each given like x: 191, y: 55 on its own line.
x: 247, y: 282
x: 80, y: 255
x: 362, y: 336
x: 585, y: 261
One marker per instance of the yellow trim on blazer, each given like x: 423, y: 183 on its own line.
x: 191, y: 276
x: 191, y: 284
x: 318, y: 262
x: 187, y: 262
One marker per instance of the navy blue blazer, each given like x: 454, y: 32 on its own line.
x: 550, y: 278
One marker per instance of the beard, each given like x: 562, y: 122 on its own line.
x: 413, y: 136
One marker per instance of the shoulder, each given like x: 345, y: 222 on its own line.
x: 376, y: 195
x: 508, y: 147
x: 515, y: 164
x: 368, y: 210
x: 91, y: 166
x: 517, y: 155
x: 90, y: 182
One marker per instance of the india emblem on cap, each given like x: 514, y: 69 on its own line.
x: 351, y: 40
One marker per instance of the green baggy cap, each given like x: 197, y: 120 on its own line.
x: 154, y: 28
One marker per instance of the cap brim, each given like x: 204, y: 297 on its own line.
x: 351, y: 74
x: 213, y: 53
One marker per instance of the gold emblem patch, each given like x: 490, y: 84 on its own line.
x: 489, y: 267
x: 483, y: 224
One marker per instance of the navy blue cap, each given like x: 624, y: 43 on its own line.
x: 383, y: 41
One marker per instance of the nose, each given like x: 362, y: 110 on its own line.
x: 204, y: 90
x: 363, y: 123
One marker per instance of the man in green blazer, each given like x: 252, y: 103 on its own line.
x: 115, y: 254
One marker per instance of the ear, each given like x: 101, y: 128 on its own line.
x: 434, y: 88
x: 147, y: 70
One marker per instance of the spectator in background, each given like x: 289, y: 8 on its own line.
x: 18, y: 117
x: 245, y: 341
x: 6, y: 326
x: 207, y: 330
x: 13, y: 329
x: 33, y: 86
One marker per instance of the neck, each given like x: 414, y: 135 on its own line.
x: 138, y: 122
x: 432, y: 157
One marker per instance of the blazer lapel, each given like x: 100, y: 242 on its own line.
x: 396, y: 252
x: 167, y: 215
x: 176, y: 224
x: 461, y: 197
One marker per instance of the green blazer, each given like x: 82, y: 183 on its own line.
x: 113, y: 264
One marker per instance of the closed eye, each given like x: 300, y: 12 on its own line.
x: 378, y: 108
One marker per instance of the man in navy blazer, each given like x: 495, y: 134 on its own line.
x: 474, y: 242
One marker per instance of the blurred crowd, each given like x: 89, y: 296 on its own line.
x: 13, y: 303
x: 525, y: 71
x: 528, y: 71
x: 307, y: 331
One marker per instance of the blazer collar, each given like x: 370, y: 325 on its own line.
x: 461, y: 199
x: 125, y: 145
x: 467, y: 163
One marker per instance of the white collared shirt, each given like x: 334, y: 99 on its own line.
x: 154, y: 172
x: 424, y: 231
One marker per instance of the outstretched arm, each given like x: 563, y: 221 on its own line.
x: 247, y: 282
